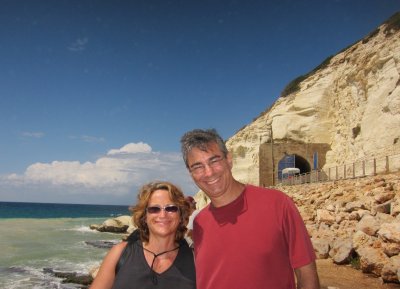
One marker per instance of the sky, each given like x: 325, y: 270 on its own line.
x: 95, y: 95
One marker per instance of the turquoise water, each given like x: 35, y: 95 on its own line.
x: 51, y: 210
x: 30, y: 245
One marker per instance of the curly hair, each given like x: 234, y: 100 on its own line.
x: 177, y: 197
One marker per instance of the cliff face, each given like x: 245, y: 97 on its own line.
x: 351, y: 102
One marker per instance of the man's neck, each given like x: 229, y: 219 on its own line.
x: 232, y: 194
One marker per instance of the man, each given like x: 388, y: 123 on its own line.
x: 248, y: 237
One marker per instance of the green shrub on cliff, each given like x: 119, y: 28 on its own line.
x: 294, y: 85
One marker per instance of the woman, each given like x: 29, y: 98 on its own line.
x: 159, y: 256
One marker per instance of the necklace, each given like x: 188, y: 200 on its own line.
x: 153, y: 274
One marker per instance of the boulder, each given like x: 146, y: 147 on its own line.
x: 395, y: 208
x: 321, y: 248
x: 368, y: 225
x: 391, y: 249
x: 384, y: 197
x: 360, y: 240
x: 390, y: 271
x: 325, y: 216
x: 341, y: 251
x: 390, y: 232
x: 354, y: 206
x: 114, y: 225
x: 372, y: 260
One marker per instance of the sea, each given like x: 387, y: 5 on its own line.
x: 36, y: 238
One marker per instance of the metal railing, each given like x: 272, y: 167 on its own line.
x: 357, y: 169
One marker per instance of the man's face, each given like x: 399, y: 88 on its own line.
x: 210, y: 170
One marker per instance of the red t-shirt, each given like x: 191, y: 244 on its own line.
x: 252, y: 243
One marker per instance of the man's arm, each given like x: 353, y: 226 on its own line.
x: 307, y: 277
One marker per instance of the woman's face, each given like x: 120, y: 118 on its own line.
x: 163, y: 223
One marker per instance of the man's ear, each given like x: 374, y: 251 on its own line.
x: 229, y: 159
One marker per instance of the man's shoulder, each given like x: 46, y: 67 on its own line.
x: 201, y: 213
x: 256, y: 191
x: 194, y: 214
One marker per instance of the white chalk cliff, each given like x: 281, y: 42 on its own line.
x: 351, y: 102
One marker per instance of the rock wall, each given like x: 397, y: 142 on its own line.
x: 351, y: 102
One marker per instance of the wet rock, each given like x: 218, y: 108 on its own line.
x: 71, y: 277
x: 102, y: 243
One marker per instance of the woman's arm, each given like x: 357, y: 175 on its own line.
x: 106, y: 275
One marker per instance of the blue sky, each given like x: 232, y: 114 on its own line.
x: 95, y: 95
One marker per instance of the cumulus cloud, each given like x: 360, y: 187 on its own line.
x: 120, y: 172
x: 131, y: 148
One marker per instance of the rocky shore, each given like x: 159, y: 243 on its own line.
x: 354, y: 222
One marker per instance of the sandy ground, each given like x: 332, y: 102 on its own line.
x: 333, y: 276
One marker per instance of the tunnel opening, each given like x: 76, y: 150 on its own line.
x: 293, y: 161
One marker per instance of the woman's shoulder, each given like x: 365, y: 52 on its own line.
x: 118, y: 248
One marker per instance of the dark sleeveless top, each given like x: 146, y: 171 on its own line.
x: 135, y: 273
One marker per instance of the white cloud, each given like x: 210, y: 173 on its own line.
x: 131, y: 148
x: 79, y: 44
x: 119, y: 173
x: 88, y: 138
x: 34, y: 134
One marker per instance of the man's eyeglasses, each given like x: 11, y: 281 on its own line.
x: 157, y: 209
x: 199, y: 169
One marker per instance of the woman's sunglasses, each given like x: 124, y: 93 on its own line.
x: 157, y: 209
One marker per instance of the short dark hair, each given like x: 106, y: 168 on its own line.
x: 199, y: 138
x: 176, y: 195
